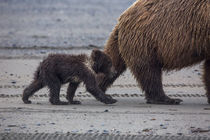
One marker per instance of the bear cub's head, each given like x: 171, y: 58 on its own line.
x: 101, y: 63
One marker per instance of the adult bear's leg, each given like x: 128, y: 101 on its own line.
x: 149, y: 76
x: 206, y: 78
x: 112, y: 50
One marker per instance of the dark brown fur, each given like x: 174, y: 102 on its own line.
x: 156, y: 35
x: 58, y: 69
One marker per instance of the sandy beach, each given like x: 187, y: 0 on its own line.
x: 130, y: 115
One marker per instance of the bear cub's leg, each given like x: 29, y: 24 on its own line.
x: 206, y: 78
x: 54, y: 85
x: 31, y: 89
x: 71, y: 92
x: 90, y: 81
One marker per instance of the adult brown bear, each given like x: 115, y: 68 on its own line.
x: 156, y: 35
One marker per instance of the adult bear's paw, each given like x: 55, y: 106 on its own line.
x: 166, y: 101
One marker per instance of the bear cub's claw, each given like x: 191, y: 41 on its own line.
x: 27, y: 101
x: 75, y: 102
x: 109, y: 100
x: 59, y: 103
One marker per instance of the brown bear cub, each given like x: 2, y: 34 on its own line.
x: 58, y: 69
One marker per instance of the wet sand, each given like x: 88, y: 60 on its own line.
x: 130, y: 115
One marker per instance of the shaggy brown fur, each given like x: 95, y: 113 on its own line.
x: 58, y: 69
x: 156, y: 35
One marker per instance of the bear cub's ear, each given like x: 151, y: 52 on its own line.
x: 96, y: 54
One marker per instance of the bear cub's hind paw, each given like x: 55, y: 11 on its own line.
x: 27, y: 101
